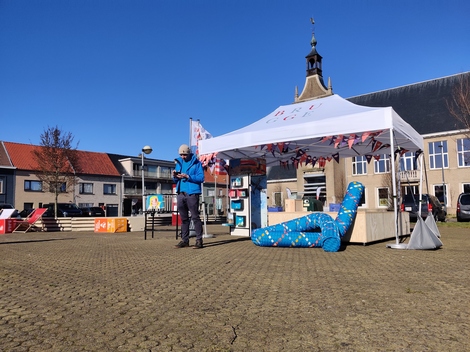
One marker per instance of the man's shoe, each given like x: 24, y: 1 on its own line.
x: 198, y: 245
x: 182, y: 244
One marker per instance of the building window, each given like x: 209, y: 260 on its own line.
x: 151, y: 171
x: 85, y: 188
x: 359, y: 165
x: 382, y: 165
x: 439, y: 193
x: 463, y: 152
x: 466, y: 187
x: 34, y: 186
x: 1, y: 186
x: 85, y: 205
x: 411, y: 189
x: 277, y: 199
x: 407, y: 162
x: 109, y: 189
x: 165, y: 172
x: 384, y: 197
x: 438, y: 155
x: 27, y: 206
x: 362, y: 202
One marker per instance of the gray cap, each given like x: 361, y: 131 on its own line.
x: 184, y: 149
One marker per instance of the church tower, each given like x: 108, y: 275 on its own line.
x: 314, y: 86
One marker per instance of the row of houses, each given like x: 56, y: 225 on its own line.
x: 111, y: 181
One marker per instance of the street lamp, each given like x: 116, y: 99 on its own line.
x: 121, y: 195
x: 443, y: 181
x: 145, y: 150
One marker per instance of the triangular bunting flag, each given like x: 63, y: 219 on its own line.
x: 336, y: 157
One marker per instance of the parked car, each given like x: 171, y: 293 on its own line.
x: 463, y: 207
x: 63, y: 210
x: 93, y: 211
x: 430, y: 205
x: 15, y: 214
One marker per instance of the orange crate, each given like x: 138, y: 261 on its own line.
x: 101, y: 225
x: 117, y: 225
x: 111, y: 225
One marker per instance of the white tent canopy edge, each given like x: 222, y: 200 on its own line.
x: 303, y: 125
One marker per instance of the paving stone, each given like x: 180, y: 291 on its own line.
x: 118, y: 292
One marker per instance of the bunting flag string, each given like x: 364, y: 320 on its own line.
x: 302, y: 157
x: 338, y: 140
x: 351, y: 140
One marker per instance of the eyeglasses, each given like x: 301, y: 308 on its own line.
x: 183, y: 154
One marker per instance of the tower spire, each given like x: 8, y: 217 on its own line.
x: 314, y: 85
x: 313, y: 58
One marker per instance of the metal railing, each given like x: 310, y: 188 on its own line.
x: 409, y: 175
x: 166, y: 175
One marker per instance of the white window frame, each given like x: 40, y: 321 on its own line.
x: 364, y: 196
x: 463, y: 152
x: 359, y: 162
x: 407, y: 162
x: 379, y: 205
x: 435, y: 156
x: 382, y: 166
x: 274, y: 199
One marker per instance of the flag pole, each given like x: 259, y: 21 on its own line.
x: 205, y: 235
x: 203, y: 199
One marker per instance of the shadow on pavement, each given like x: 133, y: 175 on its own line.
x: 218, y: 243
x: 34, y: 241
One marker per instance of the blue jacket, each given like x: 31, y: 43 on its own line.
x: 193, y: 168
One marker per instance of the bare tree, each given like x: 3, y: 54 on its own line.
x: 459, y: 103
x: 58, y: 162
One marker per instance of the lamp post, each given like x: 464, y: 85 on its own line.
x: 443, y: 181
x: 121, y: 195
x: 145, y: 150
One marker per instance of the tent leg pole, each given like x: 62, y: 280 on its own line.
x: 397, y: 244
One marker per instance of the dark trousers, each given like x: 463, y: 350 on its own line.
x: 189, y: 204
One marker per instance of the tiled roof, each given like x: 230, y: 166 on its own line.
x: 4, y: 161
x: 90, y: 163
x: 422, y: 105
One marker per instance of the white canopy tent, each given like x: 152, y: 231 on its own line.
x: 308, y: 125
x: 320, y: 129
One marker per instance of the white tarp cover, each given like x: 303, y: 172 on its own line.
x: 424, y: 236
x: 321, y: 128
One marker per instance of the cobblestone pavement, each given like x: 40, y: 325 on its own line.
x: 118, y: 292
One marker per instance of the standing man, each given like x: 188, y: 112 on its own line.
x: 188, y: 176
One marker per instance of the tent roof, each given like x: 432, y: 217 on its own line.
x: 326, y: 127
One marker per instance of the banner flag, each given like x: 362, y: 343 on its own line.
x: 220, y: 167
x: 198, y: 133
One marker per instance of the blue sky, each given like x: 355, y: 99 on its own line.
x: 122, y: 74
